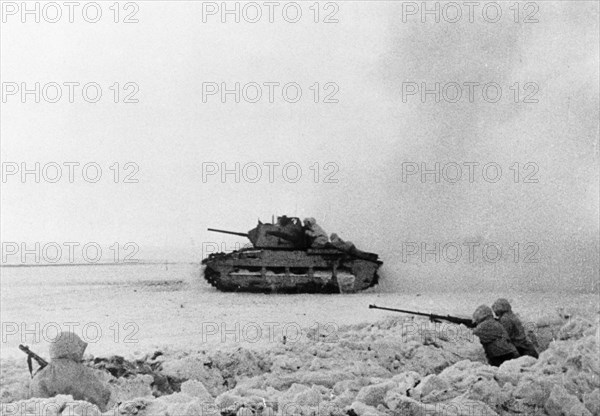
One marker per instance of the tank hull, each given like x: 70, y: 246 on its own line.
x: 290, y: 271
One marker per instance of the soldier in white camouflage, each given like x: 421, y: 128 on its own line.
x: 316, y: 235
x: 65, y: 374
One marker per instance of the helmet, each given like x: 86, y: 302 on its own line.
x: 67, y: 345
x: 482, y: 313
x: 501, y: 306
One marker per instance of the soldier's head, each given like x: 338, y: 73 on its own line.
x: 67, y: 345
x: 501, y: 306
x: 482, y: 313
x: 309, y: 222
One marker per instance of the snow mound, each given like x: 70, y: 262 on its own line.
x: 388, y: 368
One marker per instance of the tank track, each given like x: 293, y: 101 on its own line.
x: 215, y: 279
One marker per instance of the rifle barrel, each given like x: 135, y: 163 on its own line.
x: 399, y: 310
x: 432, y: 316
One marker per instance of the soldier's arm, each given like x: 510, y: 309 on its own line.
x: 506, y: 324
x: 485, y: 334
x: 511, y: 328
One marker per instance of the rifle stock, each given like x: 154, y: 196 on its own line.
x: 433, y: 317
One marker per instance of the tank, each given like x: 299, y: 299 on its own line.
x: 281, y: 260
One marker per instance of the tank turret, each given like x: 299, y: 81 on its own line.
x: 285, y: 234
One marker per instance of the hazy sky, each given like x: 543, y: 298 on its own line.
x: 365, y: 141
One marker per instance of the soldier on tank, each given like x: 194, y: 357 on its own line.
x: 493, y: 337
x: 342, y: 245
x: 513, y: 327
x: 316, y: 235
x: 65, y: 374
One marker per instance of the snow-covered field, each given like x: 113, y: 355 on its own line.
x: 295, y: 348
x: 129, y: 309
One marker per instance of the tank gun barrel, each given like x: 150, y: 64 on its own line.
x: 227, y: 232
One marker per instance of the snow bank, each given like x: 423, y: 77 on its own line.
x: 388, y: 368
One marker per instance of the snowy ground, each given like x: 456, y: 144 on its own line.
x: 134, y: 309
x: 338, y: 356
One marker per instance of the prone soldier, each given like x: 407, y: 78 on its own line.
x: 65, y: 374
